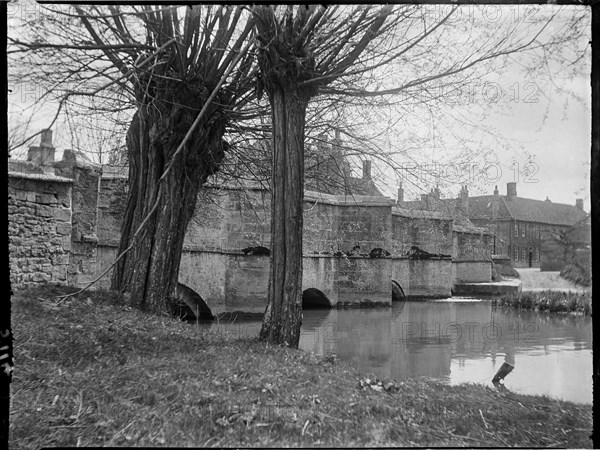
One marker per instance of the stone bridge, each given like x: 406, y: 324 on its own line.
x: 232, y: 218
x: 65, y: 219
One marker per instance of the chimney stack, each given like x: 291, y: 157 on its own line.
x: 579, y: 203
x: 400, y: 194
x: 495, y: 203
x: 46, y: 140
x: 511, y: 190
x: 464, y: 199
x: 44, y: 154
x: 366, y: 169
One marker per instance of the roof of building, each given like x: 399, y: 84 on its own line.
x: 464, y: 225
x: 525, y: 209
x: 363, y: 186
x: 449, y: 209
x: 480, y: 207
x: 509, y: 208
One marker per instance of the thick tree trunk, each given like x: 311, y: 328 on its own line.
x: 149, y: 271
x: 283, y: 315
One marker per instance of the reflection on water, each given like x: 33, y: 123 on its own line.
x: 455, y: 342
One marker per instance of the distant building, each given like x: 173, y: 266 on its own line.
x: 521, y: 226
x: 327, y: 170
x: 470, y: 241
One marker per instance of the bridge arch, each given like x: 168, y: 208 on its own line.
x: 314, y: 298
x: 397, y: 292
x: 189, y: 304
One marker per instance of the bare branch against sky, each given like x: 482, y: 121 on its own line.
x: 523, y: 116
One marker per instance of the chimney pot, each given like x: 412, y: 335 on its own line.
x: 44, y: 154
x: 46, y: 138
x: 366, y: 169
x: 511, y: 189
x: 579, y: 203
x: 464, y: 200
x: 400, y: 194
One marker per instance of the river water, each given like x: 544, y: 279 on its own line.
x: 453, y: 341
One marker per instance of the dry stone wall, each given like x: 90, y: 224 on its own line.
x: 39, y: 226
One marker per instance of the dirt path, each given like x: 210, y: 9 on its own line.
x: 534, y: 280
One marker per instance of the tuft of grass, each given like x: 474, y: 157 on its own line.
x: 92, y: 371
x: 551, y: 301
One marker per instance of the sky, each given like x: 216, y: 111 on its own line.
x: 557, y: 133
x: 548, y: 144
x: 543, y: 129
x: 545, y: 134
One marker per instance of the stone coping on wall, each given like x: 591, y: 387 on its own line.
x: 40, y: 177
x: 471, y: 230
x: 419, y: 214
x: 357, y: 200
x: 471, y: 261
x: 115, y: 172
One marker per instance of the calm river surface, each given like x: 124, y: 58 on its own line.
x: 454, y: 341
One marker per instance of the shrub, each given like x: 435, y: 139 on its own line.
x: 577, y: 273
x: 552, y: 301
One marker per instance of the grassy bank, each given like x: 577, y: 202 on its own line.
x: 578, y: 274
x: 91, y: 371
x: 551, y: 301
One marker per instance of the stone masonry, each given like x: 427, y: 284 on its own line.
x: 39, y: 226
x: 52, y: 216
x: 65, y: 219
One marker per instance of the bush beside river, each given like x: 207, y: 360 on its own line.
x: 577, y: 273
x: 551, y: 301
x: 92, y: 371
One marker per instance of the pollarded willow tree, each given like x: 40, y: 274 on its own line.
x: 188, y: 73
x: 170, y: 98
x: 360, y: 52
x: 300, y: 49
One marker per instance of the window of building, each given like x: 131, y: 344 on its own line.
x: 523, y: 255
x: 516, y: 230
x: 516, y: 255
x: 523, y: 230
